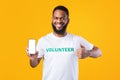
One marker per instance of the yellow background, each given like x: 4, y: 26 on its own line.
x: 95, y: 20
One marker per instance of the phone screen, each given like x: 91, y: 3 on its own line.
x: 32, y: 46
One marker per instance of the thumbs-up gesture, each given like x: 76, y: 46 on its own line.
x: 82, y: 52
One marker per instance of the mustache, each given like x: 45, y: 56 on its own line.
x: 62, y: 31
x: 60, y: 23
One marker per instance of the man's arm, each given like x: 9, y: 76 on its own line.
x: 94, y: 53
x: 35, y: 62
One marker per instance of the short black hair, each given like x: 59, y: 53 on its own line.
x: 63, y: 8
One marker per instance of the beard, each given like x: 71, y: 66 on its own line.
x: 62, y: 31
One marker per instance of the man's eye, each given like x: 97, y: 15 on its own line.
x: 55, y: 18
x: 62, y: 18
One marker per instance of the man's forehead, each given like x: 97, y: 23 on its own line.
x: 59, y: 13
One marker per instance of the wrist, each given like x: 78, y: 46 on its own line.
x: 86, y: 53
x: 33, y: 59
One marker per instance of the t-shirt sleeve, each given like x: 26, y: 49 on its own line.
x: 85, y: 43
x: 39, y: 48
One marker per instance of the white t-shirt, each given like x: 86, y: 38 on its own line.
x: 59, y: 54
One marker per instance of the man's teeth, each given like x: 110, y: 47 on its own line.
x: 58, y: 25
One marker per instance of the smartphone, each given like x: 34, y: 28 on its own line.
x: 32, y: 46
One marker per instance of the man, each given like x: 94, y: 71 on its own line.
x: 61, y: 50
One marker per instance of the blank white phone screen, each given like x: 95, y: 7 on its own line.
x: 32, y: 46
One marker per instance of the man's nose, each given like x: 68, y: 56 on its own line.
x: 59, y: 20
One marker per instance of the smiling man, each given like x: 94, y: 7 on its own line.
x: 61, y: 50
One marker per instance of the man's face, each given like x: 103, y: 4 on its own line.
x: 59, y: 21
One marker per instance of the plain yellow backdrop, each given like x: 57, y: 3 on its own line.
x: 95, y: 20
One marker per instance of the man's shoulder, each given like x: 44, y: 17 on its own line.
x: 45, y: 36
x: 74, y: 35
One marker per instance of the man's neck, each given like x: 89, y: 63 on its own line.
x: 60, y: 35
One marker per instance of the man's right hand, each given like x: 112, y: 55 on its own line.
x: 32, y: 56
x: 34, y: 60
